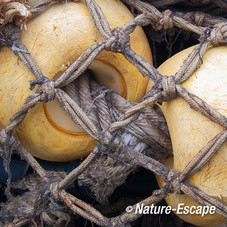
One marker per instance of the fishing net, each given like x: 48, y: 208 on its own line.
x: 129, y: 135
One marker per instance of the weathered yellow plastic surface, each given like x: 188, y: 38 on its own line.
x: 56, y: 38
x: 190, y: 131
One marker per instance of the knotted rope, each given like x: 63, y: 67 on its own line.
x: 127, y: 153
x: 118, y: 41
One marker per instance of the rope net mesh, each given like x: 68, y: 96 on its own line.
x: 108, y: 118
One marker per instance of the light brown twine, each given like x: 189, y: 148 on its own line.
x: 126, y: 158
x: 11, y: 37
x: 116, y: 172
x: 12, y: 10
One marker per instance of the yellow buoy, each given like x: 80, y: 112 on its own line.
x: 190, y: 131
x: 56, y: 38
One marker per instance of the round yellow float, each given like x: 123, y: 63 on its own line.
x: 56, y: 38
x: 190, y: 131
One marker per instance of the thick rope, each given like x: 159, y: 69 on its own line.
x: 118, y: 147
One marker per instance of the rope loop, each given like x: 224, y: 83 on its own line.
x: 118, y: 41
x: 47, y: 90
x: 165, y: 22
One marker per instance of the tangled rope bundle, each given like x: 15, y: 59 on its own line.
x: 112, y: 154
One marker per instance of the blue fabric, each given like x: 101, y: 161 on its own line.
x: 19, y: 167
x: 61, y: 166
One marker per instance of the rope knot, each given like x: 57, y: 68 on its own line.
x: 54, y: 190
x: 47, y: 90
x: 165, y: 21
x: 118, y: 41
x: 167, y: 86
x: 218, y: 34
x: 174, y: 181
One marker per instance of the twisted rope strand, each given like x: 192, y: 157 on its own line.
x: 204, y: 156
x: 118, y: 147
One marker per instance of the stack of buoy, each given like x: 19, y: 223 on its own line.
x: 56, y: 38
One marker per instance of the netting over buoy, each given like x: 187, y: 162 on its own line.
x: 124, y: 128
